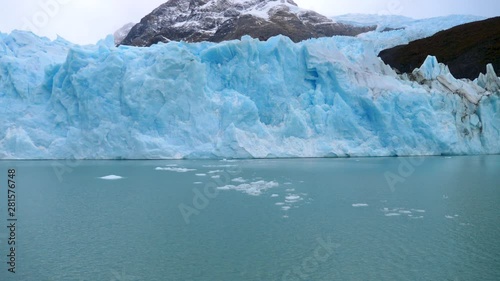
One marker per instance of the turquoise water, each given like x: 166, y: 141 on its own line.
x: 434, y: 218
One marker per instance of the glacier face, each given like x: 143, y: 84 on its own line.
x: 405, y: 30
x: 329, y: 97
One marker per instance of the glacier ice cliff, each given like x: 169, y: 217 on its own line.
x: 329, y: 97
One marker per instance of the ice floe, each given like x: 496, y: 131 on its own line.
x: 253, y: 188
x: 111, y: 177
x: 174, y: 169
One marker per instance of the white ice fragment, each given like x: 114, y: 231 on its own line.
x: 360, y: 205
x: 240, y: 180
x: 111, y: 177
x: 174, y: 169
x: 292, y: 198
x: 392, y: 214
x: 253, y: 188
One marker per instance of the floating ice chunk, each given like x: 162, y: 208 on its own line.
x: 392, y: 214
x: 216, y: 177
x: 417, y: 218
x: 171, y: 165
x: 290, y: 190
x: 274, y: 195
x: 201, y: 175
x: 111, y: 177
x: 292, y: 198
x: 360, y: 205
x: 279, y: 204
x: 285, y: 208
x: 449, y: 217
x: 253, y: 188
x: 418, y: 210
x: 198, y: 182
x: 241, y: 180
x: 404, y: 212
x: 215, y: 171
x: 174, y: 169
x: 219, y: 166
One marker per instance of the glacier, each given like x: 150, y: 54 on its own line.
x: 405, y: 30
x: 327, y: 97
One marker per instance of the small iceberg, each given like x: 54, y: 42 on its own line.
x: 392, y: 214
x: 240, y: 180
x: 292, y: 198
x: 111, y: 177
x: 177, y: 170
x: 360, y: 205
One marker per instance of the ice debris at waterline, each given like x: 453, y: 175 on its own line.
x: 328, y: 97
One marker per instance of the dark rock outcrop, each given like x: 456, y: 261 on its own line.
x: 466, y: 49
x: 220, y: 20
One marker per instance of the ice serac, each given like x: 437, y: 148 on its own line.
x: 329, y: 97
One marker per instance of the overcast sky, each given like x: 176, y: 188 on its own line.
x: 87, y: 21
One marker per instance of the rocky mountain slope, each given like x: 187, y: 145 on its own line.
x: 220, y: 20
x: 466, y: 49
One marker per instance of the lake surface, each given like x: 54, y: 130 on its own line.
x: 435, y: 218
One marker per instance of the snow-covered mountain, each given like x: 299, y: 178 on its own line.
x: 220, y: 20
x: 121, y: 33
x: 327, y: 97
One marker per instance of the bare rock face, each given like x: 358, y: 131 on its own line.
x: 466, y: 49
x: 220, y: 20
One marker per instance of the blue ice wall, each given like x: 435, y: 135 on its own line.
x: 240, y: 99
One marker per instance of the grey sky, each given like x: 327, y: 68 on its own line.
x: 87, y: 21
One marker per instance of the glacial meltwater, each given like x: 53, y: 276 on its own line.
x: 430, y: 218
